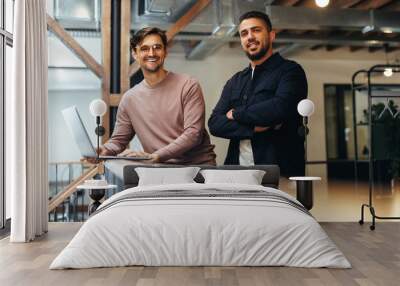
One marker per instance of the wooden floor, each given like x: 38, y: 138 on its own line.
x: 374, y: 255
x: 336, y: 201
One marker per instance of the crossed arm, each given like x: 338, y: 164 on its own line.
x: 244, y: 121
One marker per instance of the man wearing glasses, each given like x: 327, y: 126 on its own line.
x: 166, y: 110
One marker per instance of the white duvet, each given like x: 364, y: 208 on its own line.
x: 183, y: 231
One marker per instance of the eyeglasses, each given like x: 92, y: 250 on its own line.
x: 146, y: 49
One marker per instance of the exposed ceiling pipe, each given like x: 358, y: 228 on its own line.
x: 225, y: 28
x: 291, y: 49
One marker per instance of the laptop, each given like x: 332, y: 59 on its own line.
x: 82, y: 139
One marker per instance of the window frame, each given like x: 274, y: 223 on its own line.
x: 6, y: 39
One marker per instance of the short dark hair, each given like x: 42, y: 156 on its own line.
x: 139, y: 36
x: 258, y: 15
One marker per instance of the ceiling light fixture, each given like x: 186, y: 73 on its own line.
x: 387, y: 30
x: 388, y: 72
x: 322, y: 3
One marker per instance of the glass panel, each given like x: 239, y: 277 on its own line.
x: 1, y: 15
x: 362, y: 124
x: 339, y: 122
x: 8, y: 87
x: 2, y: 206
x: 9, y: 15
x: 331, y: 122
x: 348, y: 124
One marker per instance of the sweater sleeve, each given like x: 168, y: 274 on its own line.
x: 123, y: 130
x: 193, y: 125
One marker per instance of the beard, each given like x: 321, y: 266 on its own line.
x: 259, y: 55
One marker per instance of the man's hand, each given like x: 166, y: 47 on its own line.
x: 229, y: 114
x: 131, y: 153
x: 259, y: 129
x: 101, y: 151
x: 153, y: 158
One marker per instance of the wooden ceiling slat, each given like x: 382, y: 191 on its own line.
x: 286, y: 2
x: 372, y: 4
x: 355, y: 49
x: 374, y: 49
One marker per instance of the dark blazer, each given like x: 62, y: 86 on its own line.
x: 269, y: 98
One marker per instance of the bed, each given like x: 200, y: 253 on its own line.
x: 201, y: 224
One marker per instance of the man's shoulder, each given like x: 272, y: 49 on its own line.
x: 182, y: 77
x: 291, y: 65
x: 238, y: 75
x: 130, y: 93
x: 133, y: 90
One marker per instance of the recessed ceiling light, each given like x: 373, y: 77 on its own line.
x: 388, y: 72
x: 322, y: 3
x: 387, y: 30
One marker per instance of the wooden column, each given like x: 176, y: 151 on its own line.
x: 106, y: 50
x: 125, y: 44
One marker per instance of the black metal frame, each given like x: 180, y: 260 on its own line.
x: 368, y: 73
x: 2, y: 117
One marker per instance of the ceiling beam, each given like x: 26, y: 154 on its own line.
x: 347, y: 40
x: 331, y: 48
x: 301, y: 18
x: 355, y: 48
x: 74, y: 46
x: 178, y: 26
x: 291, y: 49
x: 374, y: 49
x: 286, y: 2
x: 356, y: 39
x: 371, y: 4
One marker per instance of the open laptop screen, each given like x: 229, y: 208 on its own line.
x: 78, y: 131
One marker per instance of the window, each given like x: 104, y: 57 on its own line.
x: 6, y: 42
x: 339, y: 131
x: 9, y: 13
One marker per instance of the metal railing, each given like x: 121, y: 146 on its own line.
x: 73, y: 208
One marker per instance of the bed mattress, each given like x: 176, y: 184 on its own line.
x: 201, y: 225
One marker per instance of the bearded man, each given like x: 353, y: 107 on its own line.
x: 257, y: 109
x: 166, y: 110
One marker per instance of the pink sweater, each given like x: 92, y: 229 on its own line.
x: 169, y: 119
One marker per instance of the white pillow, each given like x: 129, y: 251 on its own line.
x: 164, y: 176
x: 248, y: 177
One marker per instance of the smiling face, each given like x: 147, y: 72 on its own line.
x: 255, y: 38
x: 150, y: 53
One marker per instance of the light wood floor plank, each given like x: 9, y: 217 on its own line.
x: 375, y: 257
